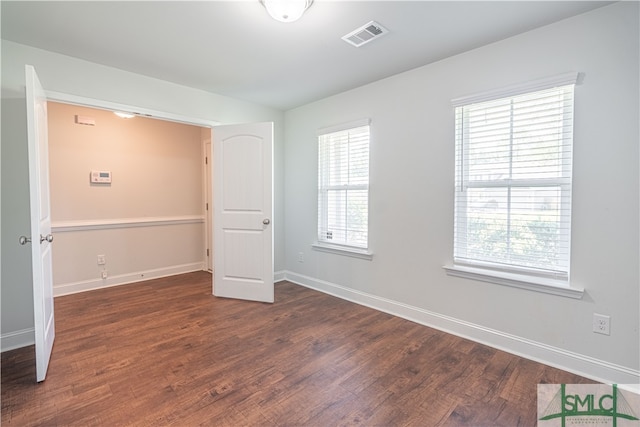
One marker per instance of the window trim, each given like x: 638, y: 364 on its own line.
x: 571, y: 78
x: 338, y: 248
x: 535, y: 282
x: 522, y: 281
x: 351, y: 251
x: 343, y: 126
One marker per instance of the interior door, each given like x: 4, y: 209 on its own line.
x: 242, y: 193
x: 41, y: 237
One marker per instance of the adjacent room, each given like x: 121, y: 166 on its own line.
x: 148, y: 221
x: 440, y: 201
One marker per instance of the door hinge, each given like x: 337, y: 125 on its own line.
x: 207, y: 206
x: 206, y: 160
x: 207, y: 252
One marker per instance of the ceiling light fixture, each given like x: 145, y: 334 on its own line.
x: 286, y: 10
x: 124, y: 115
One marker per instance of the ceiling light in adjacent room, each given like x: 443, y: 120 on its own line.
x: 286, y: 10
x: 124, y: 115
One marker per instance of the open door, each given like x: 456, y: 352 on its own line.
x: 41, y: 237
x: 242, y: 194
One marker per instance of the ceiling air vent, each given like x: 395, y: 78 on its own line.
x: 365, y: 34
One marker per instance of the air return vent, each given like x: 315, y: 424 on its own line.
x: 365, y: 34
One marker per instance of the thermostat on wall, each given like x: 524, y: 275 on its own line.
x: 101, y: 177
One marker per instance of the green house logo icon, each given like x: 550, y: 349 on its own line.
x: 588, y: 401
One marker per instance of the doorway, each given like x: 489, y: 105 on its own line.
x: 208, y: 200
x: 149, y: 220
x: 243, y: 191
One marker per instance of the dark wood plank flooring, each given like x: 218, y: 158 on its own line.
x: 166, y: 352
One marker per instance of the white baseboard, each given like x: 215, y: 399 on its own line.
x: 123, y: 279
x: 279, y: 276
x: 17, y: 339
x: 579, y: 364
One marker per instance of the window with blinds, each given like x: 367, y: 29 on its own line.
x: 343, y: 186
x: 513, y: 183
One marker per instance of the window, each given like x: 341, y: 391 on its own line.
x: 343, y: 185
x: 513, y: 182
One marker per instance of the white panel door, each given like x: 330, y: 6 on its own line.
x: 41, y: 237
x: 242, y: 194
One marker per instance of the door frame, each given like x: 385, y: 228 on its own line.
x: 67, y: 98
x: 82, y: 101
x: 207, y: 154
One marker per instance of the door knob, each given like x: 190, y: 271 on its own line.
x: 48, y: 238
x: 24, y: 240
x: 266, y: 221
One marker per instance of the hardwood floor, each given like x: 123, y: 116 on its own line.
x: 166, y: 352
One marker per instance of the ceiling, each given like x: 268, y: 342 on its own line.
x: 234, y: 48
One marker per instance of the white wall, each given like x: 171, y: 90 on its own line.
x: 158, y: 175
x: 68, y: 75
x: 411, y: 197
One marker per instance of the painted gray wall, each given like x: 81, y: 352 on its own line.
x: 72, y: 76
x: 412, y: 186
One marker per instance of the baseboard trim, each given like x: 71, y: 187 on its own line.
x: 586, y: 366
x: 17, y: 339
x: 279, y: 276
x: 123, y: 279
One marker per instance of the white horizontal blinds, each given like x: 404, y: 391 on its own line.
x: 513, y: 182
x: 343, y: 187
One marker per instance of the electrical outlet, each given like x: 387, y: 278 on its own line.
x: 102, y: 259
x: 601, y: 324
x: 300, y: 256
x: 104, y: 274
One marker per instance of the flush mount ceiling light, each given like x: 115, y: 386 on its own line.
x: 124, y: 115
x: 286, y: 10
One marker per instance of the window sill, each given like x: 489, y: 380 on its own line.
x: 343, y: 250
x: 537, y: 284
